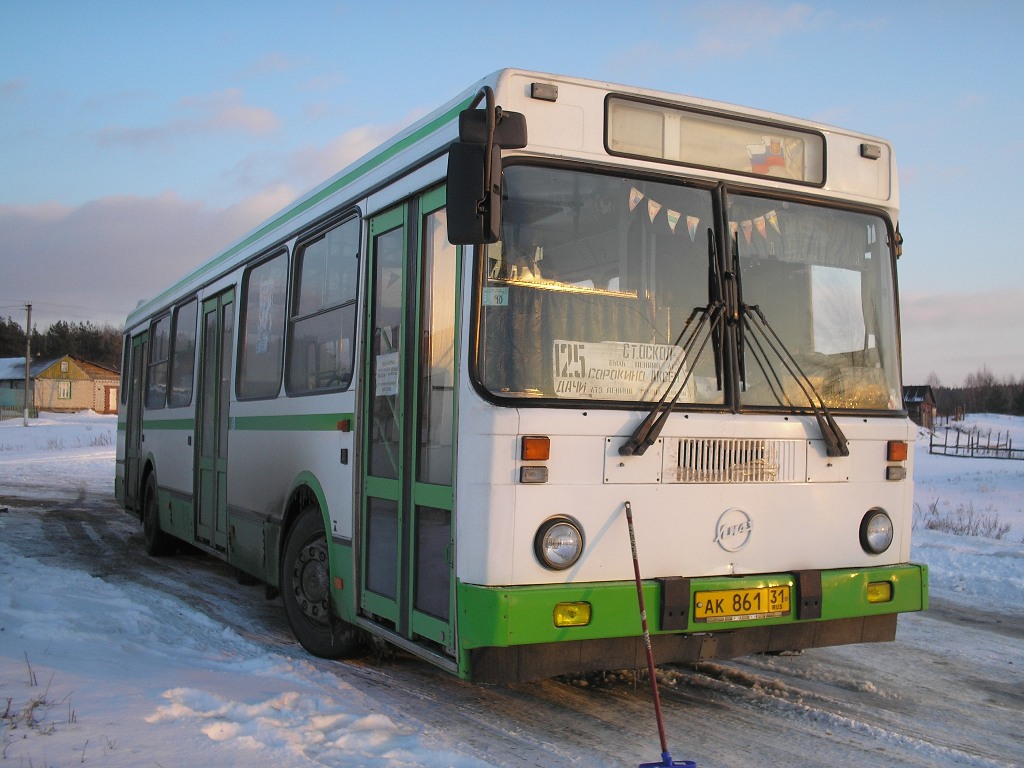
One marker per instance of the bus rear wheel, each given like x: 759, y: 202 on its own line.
x: 157, y: 542
x: 306, y: 590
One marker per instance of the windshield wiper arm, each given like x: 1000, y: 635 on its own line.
x: 836, y: 443
x: 645, y: 435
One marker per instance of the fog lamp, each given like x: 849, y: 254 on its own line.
x: 880, y: 592
x: 572, y: 614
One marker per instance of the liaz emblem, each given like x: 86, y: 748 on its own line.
x: 732, y: 532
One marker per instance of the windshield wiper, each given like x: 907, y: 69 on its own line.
x: 645, y: 435
x: 836, y: 443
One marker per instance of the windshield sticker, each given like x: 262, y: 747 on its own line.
x: 495, y: 297
x: 614, y: 369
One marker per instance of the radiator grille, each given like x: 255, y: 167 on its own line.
x: 730, y: 460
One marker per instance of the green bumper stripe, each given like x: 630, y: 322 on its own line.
x: 506, y: 616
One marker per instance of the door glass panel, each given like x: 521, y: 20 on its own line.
x: 437, y: 353
x: 382, y: 543
x: 210, y: 384
x: 228, y: 325
x: 432, y: 577
x: 385, y: 352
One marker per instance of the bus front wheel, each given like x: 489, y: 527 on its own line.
x: 306, y: 590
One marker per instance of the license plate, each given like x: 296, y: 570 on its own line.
x: 741, y: 604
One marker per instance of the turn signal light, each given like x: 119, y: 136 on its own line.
x: 535, y: 448
x: 572, y: 614
x: 896, y: 451
x: 880, y: 592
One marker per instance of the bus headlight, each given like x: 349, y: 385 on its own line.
x: 558, y: 543
x: 876, y: 531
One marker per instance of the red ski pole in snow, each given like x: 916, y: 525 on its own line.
x: 666, y: 758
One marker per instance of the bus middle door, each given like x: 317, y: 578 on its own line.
x: 211, y: 443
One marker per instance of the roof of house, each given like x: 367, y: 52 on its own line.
x: 918, y: 394
x: 13, y: 368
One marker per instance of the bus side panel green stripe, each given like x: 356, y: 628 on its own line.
x: 306, y: 422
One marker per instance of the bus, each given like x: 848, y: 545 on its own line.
x: 417, y: 402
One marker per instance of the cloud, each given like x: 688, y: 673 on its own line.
x: 102, y: 257
x: 268, y: 64
x: 11, y: 88
x: 309, y: 166
x: 222, y: 112
x: 953, y: 335
x: 723, y: 31
x: 739, y: 27
x: 314, y: 165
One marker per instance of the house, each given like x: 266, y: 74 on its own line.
x: 920, y: 404
x: 63, y: 384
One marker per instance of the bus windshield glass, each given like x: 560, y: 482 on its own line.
x: 605, y: 288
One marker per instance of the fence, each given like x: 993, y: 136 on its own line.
x: 975, y: 444
x: 17, y: 412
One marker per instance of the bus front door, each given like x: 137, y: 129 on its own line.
x: 406, y: 537
x: 211, y: 442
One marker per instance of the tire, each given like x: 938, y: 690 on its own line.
x: 157, y: 543
x: 306, y: 590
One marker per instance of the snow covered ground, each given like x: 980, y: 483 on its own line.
x: 99, y: 668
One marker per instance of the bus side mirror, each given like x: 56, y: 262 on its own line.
x: 474, y: 170
x: 474, y: 210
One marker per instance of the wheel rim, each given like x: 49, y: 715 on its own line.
x: 310, y: 577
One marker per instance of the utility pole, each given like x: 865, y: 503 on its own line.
x: 28, y: 358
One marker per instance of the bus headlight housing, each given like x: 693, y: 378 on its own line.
x: 558, y: 543
x: 876, y: 531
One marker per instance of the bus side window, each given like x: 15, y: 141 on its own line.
x: 261, y: 342
x: 156, y: 373
x: 183, y: 355
x: 322, y: 326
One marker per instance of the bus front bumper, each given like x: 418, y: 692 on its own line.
x: 510, y: 634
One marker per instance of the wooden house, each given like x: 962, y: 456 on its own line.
x: 63, y: 384
x: 920, y: 404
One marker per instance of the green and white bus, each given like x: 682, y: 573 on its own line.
x: 416, y: 402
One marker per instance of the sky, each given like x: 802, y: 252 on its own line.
x: 137, y: 140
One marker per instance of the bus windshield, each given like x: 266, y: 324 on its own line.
x: 610, y: 288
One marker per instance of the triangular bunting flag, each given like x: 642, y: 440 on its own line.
x: 635, y: 196
x: 673, y: 219
x: 691, y: 226
x: 760, y: 226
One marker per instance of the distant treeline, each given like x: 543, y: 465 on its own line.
x: 85, y: 341
x: 982, y: 392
